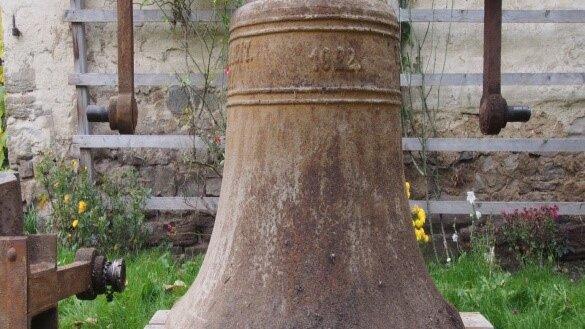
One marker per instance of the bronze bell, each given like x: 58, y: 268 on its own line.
x: 313, y: 228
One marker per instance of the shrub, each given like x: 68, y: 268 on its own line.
x: 532, y: 234
x: 107, y: 215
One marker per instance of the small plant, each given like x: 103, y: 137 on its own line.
x: 108, y: 215
x: 532, y: 234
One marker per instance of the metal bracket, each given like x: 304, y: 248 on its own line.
x: 122, y: 112
x: 494, y: 111
x: 31, y: 284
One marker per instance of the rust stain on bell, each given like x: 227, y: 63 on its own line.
x: 313, y: 227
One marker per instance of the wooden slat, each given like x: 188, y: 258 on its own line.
x: 530, y: 145
x: 209, y: 205
x: 160, y: 317
x: 496, y: 207
x: 476, y: 16
x: 140, y: 16
x: 406, y: 15
x: 406, y: 80
x: 471, y: 320
x: 508, y: 79
x: 206, y: 205
x: 80, y: 63
x: 474, y: 320
x: 152, y: 79
x: 175, y: 142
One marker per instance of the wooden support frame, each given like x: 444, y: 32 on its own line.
x: 80, y: 61
x: 471, y: 320
x: 406, y: 80
x: 406, y: 15
x: 83, y: 80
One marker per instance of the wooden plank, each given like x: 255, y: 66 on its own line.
x: 474, y: 320
x: 209, y: 205
x: 471, y: 320
x: 175, y: 142
x: 406, y: 15
x: 476, y: 16
x: 80, y: 63
x: 160, y: 317
x: 206, y: 205
x: 496, y: 207
x: 508, y: 79
x: 525, y: 145
x: 530, y: 145
x: 406, y: 80
x: 140, y: 16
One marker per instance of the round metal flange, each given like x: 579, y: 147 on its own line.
x: 123, y: 113
x: 492, y: 114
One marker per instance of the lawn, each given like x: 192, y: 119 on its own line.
x: 532, y: 298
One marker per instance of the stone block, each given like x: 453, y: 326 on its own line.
x: 213, y: 186
x: 20, y: 81
x: 177, y: 100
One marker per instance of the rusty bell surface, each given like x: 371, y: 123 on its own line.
x: 313, y: 227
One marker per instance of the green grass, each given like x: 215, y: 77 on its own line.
x: 535, y: 297
x: 532, y: 298
x: 148, y: 273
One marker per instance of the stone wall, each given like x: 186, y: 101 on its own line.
x: 42, y: 116
x: 558, y: 111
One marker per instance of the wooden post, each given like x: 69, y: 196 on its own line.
x: 11, y: 217
x: 79, y: 52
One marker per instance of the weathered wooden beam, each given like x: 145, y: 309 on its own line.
x: 209, y: 205
x: 175, y: 142
x: 206, y: 205
x: 406, y: 15
x: 530, y: 145
x: 11, y: 215
x: 525, y: 145
x: 471, y: 320
x: 508, y: 79
x: 140, y: 16
x: 80, y: 64
x: 476, y: 16
x: 496, y: 207
x: 406, y: 80
x: 148, y: 79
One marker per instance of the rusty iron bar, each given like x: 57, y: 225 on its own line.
x: 122, y: 112
x: 494, y: 110
x: 31, y: 284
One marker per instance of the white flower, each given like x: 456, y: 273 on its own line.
x: 477, y: 214
x: 448, y: 259
x: 455, y: 237
x: 471, y: 197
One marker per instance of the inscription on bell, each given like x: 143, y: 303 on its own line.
x: 241, y: 53
x: 342, y: 58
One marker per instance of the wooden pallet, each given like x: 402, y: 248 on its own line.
x: 471, y: 320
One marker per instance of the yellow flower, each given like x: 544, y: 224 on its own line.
x: 426, y: 238
x: 418, y: 213
x: 407, y: 188
x: 67, y: 198
x: 69, y: 237
x: 419, y: 223
x: 74, y: 165
x: 419, y: 233
x: 74, y: 223
x: 81, y: 207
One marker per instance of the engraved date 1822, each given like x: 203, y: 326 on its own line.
x: 336, y: 59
